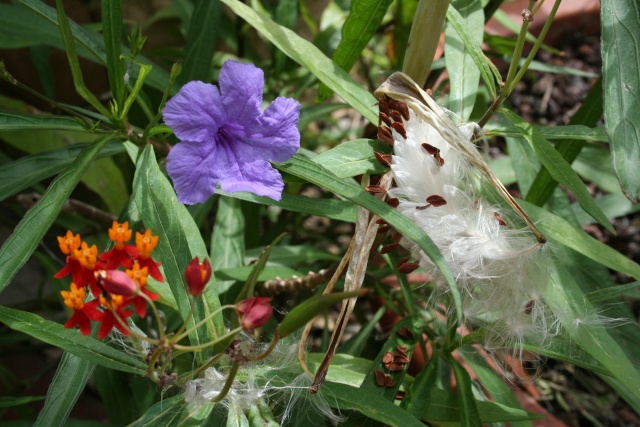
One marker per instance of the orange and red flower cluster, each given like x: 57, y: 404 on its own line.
x: 114, y: 290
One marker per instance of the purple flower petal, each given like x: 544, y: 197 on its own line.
x: 258, y: 178
x: 194, y: 113
x: 190, y: 167
x: 276, y: 133
x: 241, y: 86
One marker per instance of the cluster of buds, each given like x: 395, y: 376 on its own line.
x: 113, y: 290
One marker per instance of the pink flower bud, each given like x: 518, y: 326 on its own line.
x: 254, y: 312
x: 197, y: 276
x: 116, y: 282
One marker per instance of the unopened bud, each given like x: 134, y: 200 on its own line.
x: 254, y: 312
x: 116, y: 282
x: 197, y: 276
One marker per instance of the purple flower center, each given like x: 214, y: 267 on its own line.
x: 228, y: 133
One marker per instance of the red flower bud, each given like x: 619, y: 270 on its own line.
x: 197, y: 276
x: 116, y: 282
x: 254, y: 312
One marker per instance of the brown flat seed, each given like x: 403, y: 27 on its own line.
x: 383, y: 106
x: 401, y: 358
x: 423, y: 207
x: 396, y: 116
x: 396, y: 367
x: 439, y: 160
x: 381, y: 221
x: 384, y: 118
x: 430, y: 149
x: 393, y: 202
x: 396, y: 236
x: 402, y: 261
x: 383, y: 229
x: 399, y: 127
x: 436, y: 200
x: 380, y: 377
x: 501, y: 221
x: 385, y: 159
x: 402, y: 349
x: 384, y: 135
x: 404, y: 332
x: 387, y: 358
x: 403, y: 109
x: 408, y: 267
x: 529, y: 307
x: 393, y: 104
x: 388, y: 381
x: 375, y: 189
x: 388, y: 248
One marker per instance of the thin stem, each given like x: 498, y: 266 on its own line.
x: 156, y: 314
x: 227, y: 385
x: 151, y: 373
x: 184, y: 324
x: 267, y: 352
x: 132, y: 333
x: 179, y: 336
x: 231, y: 333
x: 517, y: 52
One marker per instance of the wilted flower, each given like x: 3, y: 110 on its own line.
x: 254, y: 312
x: 226, y: 138
x: 197, y: 276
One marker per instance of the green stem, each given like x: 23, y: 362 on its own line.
x: 180, y: 335
x: 175, y: 71
x: 229, y: 334
x: 151, y: 373
x: 156, y: 314
x: 267, y: 352
x: 517, y: 52
x: 227, y: 384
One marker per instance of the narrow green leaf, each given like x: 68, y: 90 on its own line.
x: 562, y: 231
x: 169, y: 412
x: 405, y: 11
x: 330, y: 208
x: 201, y: 41
x: 573, y: 133
x: 589, y: 114
x: 179, y: 241
x: 227, y: 240
x: 464, y: 74
x: 373, y: 406
x: 310, y: 57
x: 361, y: 24
x: 353, y: 158
x: 22, y: 173
x: 242, y: 273
x: 489, y: 73
x: 354, y: 345
x: 315, y: 173
x: 569, y: 303
x: 469, y: 414
x: 112, y: 32
x: 27, y: 235
x: 621, y: 72
x: 612, y: 292
x: 18, y: 121
x: 70, y: 340
x: 558, y: 167
x: 418, y: 398
x: 9, y: 401
x: 74, y: 64
x: 247, y: 290
x: 68, y: 383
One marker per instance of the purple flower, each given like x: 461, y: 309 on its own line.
x: 227, y: 138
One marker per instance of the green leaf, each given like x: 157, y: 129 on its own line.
x: 571, y: 132
x: 371, y: 405
x: 569, y: 303
x: 18, y: 121
x: 418, y: 398
x: 558, y: 167
x: 201, y: 41
x: 489, y: 73
x: 589, y: 114
x: 354, y: 158
x: 464, y: 74
x: 112, y: 32
x: 621, y: 72
x: 27, y: 235
x: 562, y: 231
x: 331, y: 208
x: 247, y: 290
x: 167, y: 412
x: 310, y: 57
x: 68, y: 383
x: 405, y: 11
x: 469, y: 414
x: 612, y: 292
x: 242, y: 273
x: 315, y: 173
x: 179, y: 242
x: 70, y: 340
x: 227, y: 240
x: 29, y: 170
x: 9, y: 401
x: 361, y: 24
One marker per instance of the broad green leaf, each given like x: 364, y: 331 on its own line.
x: 68, y: 383
x: 612, y: 292
x: 345, y: 369
x: 564, y: 232
x: 371, y: 405
x: 331, y: 208
x: 70, y: 340
x: 354, y: 158
x: 568, y: 302
x: 594, y: 166
x: 464, y: 74
x: 180, y: 241
x: 17, y: 121
x: 361, y: 24
x: 469, y: 415
x: 29, y: 170
x: 621, y: 72
x: 315, y: 173
x: 405, y: 11
x: 167, y: 412
x: 310, y: 57
x: 201, y: 41
x: 418, y: 398
x: 558, y: 167
x: 589, y: 114
x: 112, y: 33
x: 227, y: 240
x: 488, y: 71
x: 27, y: 234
